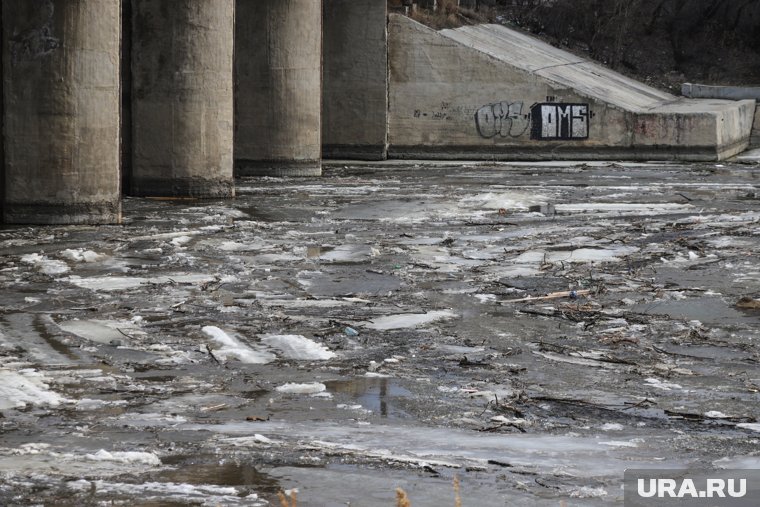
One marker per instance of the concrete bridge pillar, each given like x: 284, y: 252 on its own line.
x: 61, y: 111
x: 182, y: 104
x: 278, y: 87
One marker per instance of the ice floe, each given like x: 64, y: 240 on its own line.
x: 46, y: 265
x: 308, y: 388
x: 81, y: 255
x: 297, y: 347
x: 231, y: 347
x: 130, y: 457
x: 408, y: 320
x: 26, y: 387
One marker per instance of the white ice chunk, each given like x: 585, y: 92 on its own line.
x: 408, y: 320
x: 109, y: 283
x: 297, y: 347
x: 310, y: 388
x: 26, y: 387
x: 143, y: 458
x: 619, y: 443
x: 45, y: 265
x: 99, y: 331
x: 186, y: 494
x: 81, y: 255
x: 231, y: 347
x: 506, y: 200
x: 181, y: 241
x: 659, y: 384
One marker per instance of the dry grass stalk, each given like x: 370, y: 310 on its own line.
x: 457, y: 495
x: 288, y: 502
x: 401, y: 499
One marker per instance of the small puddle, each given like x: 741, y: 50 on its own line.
x: 380, y: 395
x: 349, y: 279
x: 45, y: 334
x: 188, y: 470
x: 314, y: 252
x: 708, y: 310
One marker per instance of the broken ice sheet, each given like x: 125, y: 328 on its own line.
x: 46, y: 265
x: 26, y: 387
x: 107, y: 332
x: 114, y: 283
x: 407, y: 320
x: 205, y: 494
x: 308, y: 388
x: 297, y: 347
x: 81, y: 255
x: 233, y: 347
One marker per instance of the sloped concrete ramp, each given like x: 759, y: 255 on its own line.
x: 488, y: 92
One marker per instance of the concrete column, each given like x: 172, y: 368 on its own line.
x: 355, y: 87
x: 61, y: 111
x: 182, y: 106
x: 278, y: 87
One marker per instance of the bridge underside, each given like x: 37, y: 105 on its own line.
x: 174, y: 98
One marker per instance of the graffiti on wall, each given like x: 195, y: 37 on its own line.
x: 545, y: 121
x: 555, y: 121
x: 37, y: 41
x: 505, y: 119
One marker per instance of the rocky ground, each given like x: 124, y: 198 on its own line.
x: 531, y: 329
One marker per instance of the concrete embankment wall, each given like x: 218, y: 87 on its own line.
x: 487, y: 92
x: 699, y: 91
x: 451, y: 101
x: 355, y: 79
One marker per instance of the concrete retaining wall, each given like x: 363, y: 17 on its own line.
x: 451, y: 101
x: 355, y: 79
x: 699, y: 91
x: 491, y: 93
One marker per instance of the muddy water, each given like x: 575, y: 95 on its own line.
x: 424, y: 329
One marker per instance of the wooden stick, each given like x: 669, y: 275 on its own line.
x: 552, y: 295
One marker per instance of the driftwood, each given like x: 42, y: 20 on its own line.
x: 552, y: 295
